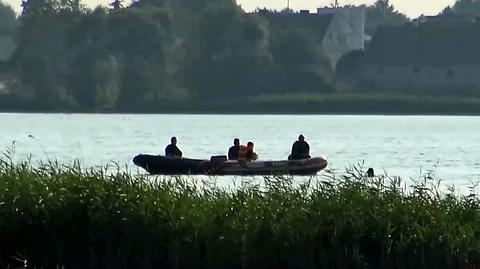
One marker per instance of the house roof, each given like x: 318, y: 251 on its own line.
x: 436, y: 44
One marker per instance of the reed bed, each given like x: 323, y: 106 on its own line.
x: 53, y: 216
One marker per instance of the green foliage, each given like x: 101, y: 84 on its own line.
x: 8, y: 32
x: 143, y: 63
x: 42, y: 55
x: 382, y: 13
x: 155, y: 51
x: 295, y: 42
x: 466, y: 7
x: 365, y: 100
x: 231, y: 45
x: 180, y: 54
x: 349, y: 66
x: 54, y: 216
x: 8, y: 23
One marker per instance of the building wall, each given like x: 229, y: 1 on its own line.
x: 345, y: 34
x: 422, y: 77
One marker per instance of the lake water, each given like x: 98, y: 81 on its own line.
x: 402, y: 145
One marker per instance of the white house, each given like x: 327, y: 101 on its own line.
x: 337, y: 31
x: 345, y: 33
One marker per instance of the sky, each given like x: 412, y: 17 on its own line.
x: 413, y: 8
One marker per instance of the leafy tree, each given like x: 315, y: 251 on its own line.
x: 350, y: 65
x: 467, y: 7
x: 87, y: 45
x: 42, y: 56
x: 8, y: 30
x: 382, y: 13
x: 38, y: 8
x: 229, y: 46
x: 8, y: 22
x: 140, y: 38
x: 305, y: 67
x: 116, y: 5
x: 127, y: 48
x: 157, y: 50
x: 448, y: 11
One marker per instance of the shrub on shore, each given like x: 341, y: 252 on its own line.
x: 53, y: 216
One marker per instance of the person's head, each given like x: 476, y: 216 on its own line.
x: 174, y: 140
x: 301, y: 138
x: 236, y: 142
x: 250, y: 145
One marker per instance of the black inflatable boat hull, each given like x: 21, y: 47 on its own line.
x: 171, y: 166
x: 183, y: 166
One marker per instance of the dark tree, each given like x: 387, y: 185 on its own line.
x: 467, y: 7
x: 382, y: 13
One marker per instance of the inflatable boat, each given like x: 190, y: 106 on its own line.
x: 219, y: 165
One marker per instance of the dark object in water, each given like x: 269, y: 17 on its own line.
x: 218, y: 165
x: 370, y: 172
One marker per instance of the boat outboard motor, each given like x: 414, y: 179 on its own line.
x: 217, y: 160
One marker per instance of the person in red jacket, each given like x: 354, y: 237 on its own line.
x: 246, y: 153
x: 242, y: 153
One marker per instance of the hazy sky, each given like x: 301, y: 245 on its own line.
x: 413, y: 8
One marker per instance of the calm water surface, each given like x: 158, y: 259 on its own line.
x: 402, y: 145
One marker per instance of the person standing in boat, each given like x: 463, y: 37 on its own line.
x: 233, y: 151
x: 300, y: 149
x: 172, y: 150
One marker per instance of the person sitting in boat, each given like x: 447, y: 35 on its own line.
x: 172, y: 150
x: 246, y: 153
x: 251, y: 156
x: 233, y: 151
x: 300, y: 149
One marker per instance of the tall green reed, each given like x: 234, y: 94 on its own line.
x: 54, y: 215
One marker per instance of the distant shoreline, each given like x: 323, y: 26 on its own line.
x: 240, y: 113
x: 291, y: 104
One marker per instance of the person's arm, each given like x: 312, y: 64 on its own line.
x: 168, y: 151
x: 296, y: 148
x: 307, y: 148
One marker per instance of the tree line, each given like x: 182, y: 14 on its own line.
x: 158, y: 52
x: 151, y: 51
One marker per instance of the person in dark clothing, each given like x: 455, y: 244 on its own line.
x: 251, y: 156
x: 300, y: 149
x: 172, y: 150
x: 233, y: 151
